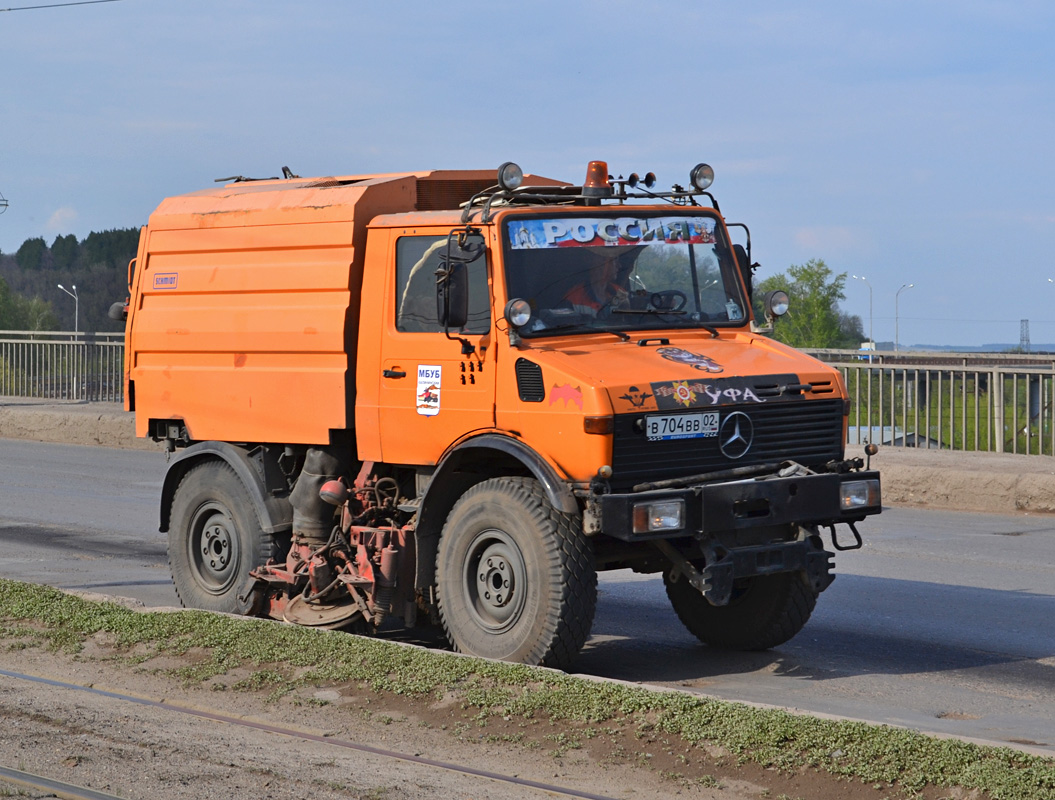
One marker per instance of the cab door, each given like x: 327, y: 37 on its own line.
x: 431, y: 392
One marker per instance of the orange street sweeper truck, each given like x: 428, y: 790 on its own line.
x: 452, y: 398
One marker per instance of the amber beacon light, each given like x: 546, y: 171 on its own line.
x: 596, y: 183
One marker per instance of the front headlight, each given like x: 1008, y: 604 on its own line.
x: 668, y: 515
x: 859, y: 494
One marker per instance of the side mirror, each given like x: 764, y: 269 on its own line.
x: 464, y: 246
x: 452, y: 295
x: 743, y: 261
x: 118, y: 311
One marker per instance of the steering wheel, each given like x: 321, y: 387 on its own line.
x: 669, y: 300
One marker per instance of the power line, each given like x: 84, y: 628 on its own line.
x: 59, y: 5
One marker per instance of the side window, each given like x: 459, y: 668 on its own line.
x: 417, y: 259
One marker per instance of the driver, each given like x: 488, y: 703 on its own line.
x: 601, y: 289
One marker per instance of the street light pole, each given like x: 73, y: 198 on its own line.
x: 896, y: 316
x: 871, y: 340
x: 76, y: 307
x: 76, y: 336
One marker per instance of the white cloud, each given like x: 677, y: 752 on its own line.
x: 62, y: 219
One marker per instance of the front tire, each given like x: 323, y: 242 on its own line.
x: 215, y: 538
x: 765, y: 611
x: 515, y: 578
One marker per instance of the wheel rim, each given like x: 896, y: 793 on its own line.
x: 213, y: 547
x: 494, y: 581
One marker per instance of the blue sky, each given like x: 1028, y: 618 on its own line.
x: 906, y: 142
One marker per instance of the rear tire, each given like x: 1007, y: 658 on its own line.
x: 215, y: 538
x: 515, y: 578
x: 765, y: 611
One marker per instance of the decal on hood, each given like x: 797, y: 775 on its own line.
x: 694, y: 360
x: 635, y: 397
x: 705, y: 393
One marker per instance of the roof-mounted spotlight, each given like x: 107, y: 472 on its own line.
x: 702, y: 176
x: 510, y: 176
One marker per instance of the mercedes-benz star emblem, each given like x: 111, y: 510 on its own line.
x: 736, y: 434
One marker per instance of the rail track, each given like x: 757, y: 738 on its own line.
x: 72, y: 792
x: 38, y: 783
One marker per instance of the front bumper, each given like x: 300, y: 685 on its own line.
x: 730, y: 506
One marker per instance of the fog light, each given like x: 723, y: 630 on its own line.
x: 668, y: 515
x: 859, y: 494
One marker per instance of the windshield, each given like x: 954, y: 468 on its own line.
x: 616, y: 273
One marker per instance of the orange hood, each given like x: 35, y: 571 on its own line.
x: 690, y: 371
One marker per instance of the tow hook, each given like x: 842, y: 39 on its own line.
x: 835, y: 539
x: 681, y: 566
x: 714, y: 581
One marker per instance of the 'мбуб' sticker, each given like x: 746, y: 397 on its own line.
x: 428, y: 394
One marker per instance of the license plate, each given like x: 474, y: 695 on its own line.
x: 681, y: 426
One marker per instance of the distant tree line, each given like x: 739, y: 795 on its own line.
x: 98, y: 266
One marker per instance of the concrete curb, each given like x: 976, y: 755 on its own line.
x: 940, y: 479
x: 994, y: 483
x: 97, y: 424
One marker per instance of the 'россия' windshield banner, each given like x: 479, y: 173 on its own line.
x: 539, y: 233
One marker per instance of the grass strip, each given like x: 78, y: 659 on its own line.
x: 290, y: 657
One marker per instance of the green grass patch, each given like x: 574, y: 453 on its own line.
x: 282, y: 658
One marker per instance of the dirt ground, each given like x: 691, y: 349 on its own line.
x: 133, y: 750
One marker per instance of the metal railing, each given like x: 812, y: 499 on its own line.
x: 998, y: 403
x: 62, y: 366
x: 995, y: 402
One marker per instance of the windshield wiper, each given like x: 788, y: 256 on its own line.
x: 580, y: 328
x: 645, y: 311
x: 663, y: 312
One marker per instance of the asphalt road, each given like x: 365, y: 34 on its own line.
x: 943, y: 622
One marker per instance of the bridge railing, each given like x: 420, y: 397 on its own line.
x: 999, y: 403
x: 986, y: 402
x: 62, y: 366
